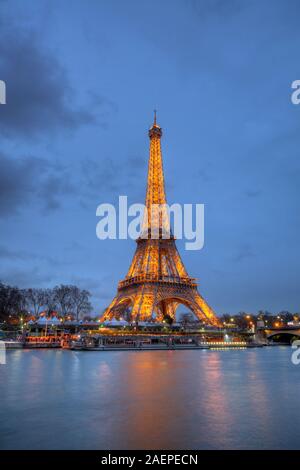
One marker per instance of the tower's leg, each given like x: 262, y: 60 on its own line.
x: 166, y: 308
x: 203, y: 311
x: 172, y: 307
x: 143, y: 305
x: 116, y: 309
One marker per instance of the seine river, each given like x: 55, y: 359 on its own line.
x: 241, y: 399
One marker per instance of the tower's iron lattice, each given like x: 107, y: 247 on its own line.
x: 157, y: 281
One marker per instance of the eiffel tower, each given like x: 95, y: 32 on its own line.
x: 157, y: 281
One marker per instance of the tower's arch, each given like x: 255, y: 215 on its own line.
x: 168, y: 306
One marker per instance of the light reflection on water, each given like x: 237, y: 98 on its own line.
x: 150, y: 400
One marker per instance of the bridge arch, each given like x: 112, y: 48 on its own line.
x: 286, y: 337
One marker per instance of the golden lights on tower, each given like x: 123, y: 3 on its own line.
x: 157, y: 281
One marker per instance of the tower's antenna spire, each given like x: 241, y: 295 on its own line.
x: 155, y: 130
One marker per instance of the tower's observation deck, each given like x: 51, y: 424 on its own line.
x: 152, y: 278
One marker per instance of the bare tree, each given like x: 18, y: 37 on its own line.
x: 50, y: 300
x: 68, y: 298
x: 11, y: 301
x: 64, y: 297
x: 36, y: 299
x: 81, y: 302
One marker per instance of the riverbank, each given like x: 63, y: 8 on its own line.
x: 138, y: 340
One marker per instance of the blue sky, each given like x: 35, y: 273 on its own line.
x: 82, y: 82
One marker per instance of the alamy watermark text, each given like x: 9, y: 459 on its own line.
x: 187, y: 222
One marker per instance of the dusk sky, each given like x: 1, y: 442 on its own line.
x: 83, y: 78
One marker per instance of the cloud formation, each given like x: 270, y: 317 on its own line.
x: 111, y: 177
x: 29, y: 179
x: 39, y: 95
x: 16, y: 182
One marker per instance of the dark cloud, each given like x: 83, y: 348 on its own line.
x: 39, y: 94
x: 23, y: 255
x: 27, y: 277
x: 28, y: 181
x: 111, y: 176
x: 104, y: 105
x: 14, y: 255
x: 87, y: 282
x: 31, y: 179
x: 17, y: 178
x: 53, y: 190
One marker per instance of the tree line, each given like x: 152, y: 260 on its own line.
x: 244, y: 319
x: 64, y: 299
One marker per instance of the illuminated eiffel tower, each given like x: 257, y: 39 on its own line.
x: 157, y: 281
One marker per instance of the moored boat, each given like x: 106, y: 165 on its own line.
x: 35, y: 342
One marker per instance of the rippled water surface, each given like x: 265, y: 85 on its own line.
x: 150, y: 400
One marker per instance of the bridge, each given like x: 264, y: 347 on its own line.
x: 284, y: 334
